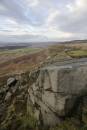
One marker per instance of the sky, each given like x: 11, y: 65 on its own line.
x: 42, y: 20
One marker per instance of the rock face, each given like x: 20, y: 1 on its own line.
x: 45, y: 97
x: 58, y: 92
x: 13, y: 102
x: 11, y: 81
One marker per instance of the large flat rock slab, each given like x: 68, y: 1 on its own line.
x: 58, y: 88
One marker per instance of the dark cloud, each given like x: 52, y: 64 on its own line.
x: 71, y: 24
x: 14, y: 10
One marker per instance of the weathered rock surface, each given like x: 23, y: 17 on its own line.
x: 44, y: 97
x: 13, y: 102
x: 58, y: 92
x: 11, y: 81
x: 8, y: 96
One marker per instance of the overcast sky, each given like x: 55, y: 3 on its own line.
x: 43, y: 20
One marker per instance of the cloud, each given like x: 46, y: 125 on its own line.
x: 52, y: 15
x: 50, y: 19
x: 22, y: 38
x: 78, y: 6
x: 14, y: 10
x: 75, y: 18
x: 32, y: 3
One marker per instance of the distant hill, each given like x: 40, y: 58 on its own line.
x: 18, y: 45
x: 9, y: 46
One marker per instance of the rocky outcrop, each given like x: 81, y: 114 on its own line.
x: 45, y: 97
x: 13, y: 102
x: 58, y: 92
